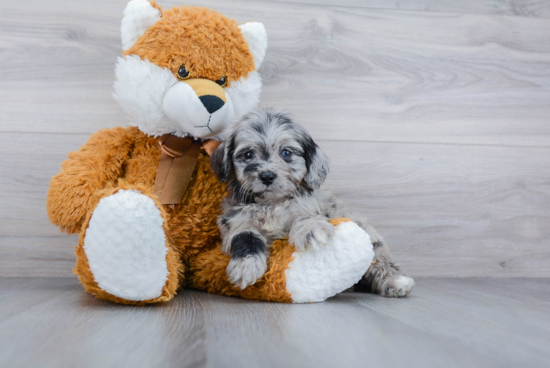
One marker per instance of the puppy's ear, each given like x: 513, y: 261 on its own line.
x: 316, y: 164
x: 221, y: 158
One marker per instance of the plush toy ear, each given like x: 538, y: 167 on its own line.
x: 255, y: 35
x: 139, y: 15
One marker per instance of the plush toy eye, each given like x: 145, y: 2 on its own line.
x: 286, y: 153
x: 183, y: 73
x: 222, y: 81
x: 248, y: 155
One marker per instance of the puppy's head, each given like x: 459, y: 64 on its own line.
x: 267, y: 155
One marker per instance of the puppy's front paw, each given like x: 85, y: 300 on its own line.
x: 311, y: 234
x: 245, y: 271
x: 397, y: 286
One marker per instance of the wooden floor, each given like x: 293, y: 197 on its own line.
x: 51, y: 322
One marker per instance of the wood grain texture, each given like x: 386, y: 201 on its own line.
x: 348, y: 73
x: 443, y: 209
x: 436, y: 123
x: 446, y: 210
x: 445, y: 322
x: 523, y: 8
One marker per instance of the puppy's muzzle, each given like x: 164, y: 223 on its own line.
x: 267, y: 177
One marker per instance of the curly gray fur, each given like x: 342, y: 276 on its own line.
x: 274, y: 171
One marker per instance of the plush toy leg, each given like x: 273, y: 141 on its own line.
x: 123, y: 254
x: 295, y: 277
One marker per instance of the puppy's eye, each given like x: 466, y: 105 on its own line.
x: 183, y: 73
x: 222, y: 81
x: 286, y: 153
x: 248, y: 155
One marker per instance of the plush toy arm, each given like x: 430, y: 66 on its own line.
x: 96, y: 165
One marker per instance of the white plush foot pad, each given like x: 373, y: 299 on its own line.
x: 317, y: 274
x: 125, y: 246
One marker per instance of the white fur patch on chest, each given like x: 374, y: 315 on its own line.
x: 274, y: 220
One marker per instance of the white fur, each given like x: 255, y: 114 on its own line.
x: 256, y: 37
x: 157, y: 103
x: 125, y: 246
x: 245, y: 93
x: 139, y: 15
x: 317, y: 274
x: 245, y: 271
x: 183, y: 106
x: 139, y: 89
x: 398, y: 286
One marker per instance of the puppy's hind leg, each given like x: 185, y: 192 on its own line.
x: 384, y: 277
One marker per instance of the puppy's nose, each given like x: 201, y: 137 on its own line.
x: 212, y: 103
x: 267, y: 177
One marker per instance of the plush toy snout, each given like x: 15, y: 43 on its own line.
x: 199, y: 106
x: 211, y: 94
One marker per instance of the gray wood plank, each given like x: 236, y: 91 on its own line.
x: 349, y: 73
x: 20, y: 294
x: 449, y: 211
x: 28, y: 255
x: 29, y: 244
x: 507, y: 319
x: 445, y: 322
x: 75, y: 329
x: 524, y: 8
x: 445, y: 210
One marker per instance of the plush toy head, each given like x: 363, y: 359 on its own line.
x: 187, y: 71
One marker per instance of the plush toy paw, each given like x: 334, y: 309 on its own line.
x: 245, y: 271
x: 397, y: 286
x: 312, y: 233
x: 317, y: 274
x: 125, y: 245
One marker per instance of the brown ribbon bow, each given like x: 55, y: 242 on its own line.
x: 177, y: 162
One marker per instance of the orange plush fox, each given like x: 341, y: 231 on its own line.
x: 144, y: 198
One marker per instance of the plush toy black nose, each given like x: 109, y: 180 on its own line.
x: 267, y: 177
x: 212, y: 103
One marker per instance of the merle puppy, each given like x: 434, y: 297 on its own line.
x: 274, y: 171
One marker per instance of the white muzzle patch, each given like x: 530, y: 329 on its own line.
x: 182, y: 105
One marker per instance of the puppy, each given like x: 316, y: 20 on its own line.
x: 274, y: 171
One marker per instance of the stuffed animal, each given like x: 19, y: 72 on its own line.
x: 145, y: 200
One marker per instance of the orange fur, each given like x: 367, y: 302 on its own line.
x: 71, y: 189
x: 339, y: 220
x: 118, y: 158
x: 208, y: 273
x: 209, y: 44
x: 155, y: 5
